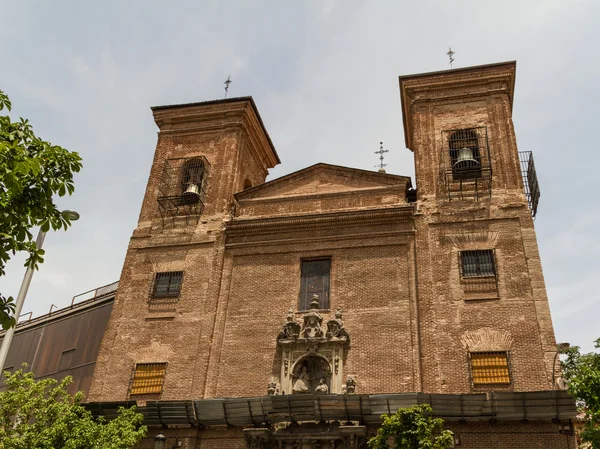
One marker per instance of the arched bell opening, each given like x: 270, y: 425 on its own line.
x: 465, y: 154
x: 192, y: 174
x: 311, y: 374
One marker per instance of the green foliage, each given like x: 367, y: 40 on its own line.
x: 32, y: 171
x: 582, y: 372
x: 412, y: 428
x: 42, y: 415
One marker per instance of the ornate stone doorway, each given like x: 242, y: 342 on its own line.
x: 312, y: 355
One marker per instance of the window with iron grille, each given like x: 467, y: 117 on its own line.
x: 465, y: 156
x: 479, y: 263
x: 489, y: 368
x: 167, y: 285
x: 148, y: 378
x: 315, y: 281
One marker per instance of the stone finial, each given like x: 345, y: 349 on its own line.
x: 313, y: 321
x: 291, y: 328
x: 272, y: 387
x: 350, y: 385
x: 314, y: 302
x: 335, y: 328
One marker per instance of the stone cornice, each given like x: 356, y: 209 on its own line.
x: 238, y: 227
x: 236, y: 113
x: 468, y: 82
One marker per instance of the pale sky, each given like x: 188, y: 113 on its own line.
x: 324, y: 75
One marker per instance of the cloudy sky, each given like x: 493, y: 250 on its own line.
x: 324, y: 75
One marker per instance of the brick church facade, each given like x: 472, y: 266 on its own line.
x: 293, y: 313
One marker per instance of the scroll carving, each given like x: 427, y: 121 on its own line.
x: 487, y: 339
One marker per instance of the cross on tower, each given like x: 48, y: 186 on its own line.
x: 450, y: 54
x: 381, y: 151
x: 227, y: 83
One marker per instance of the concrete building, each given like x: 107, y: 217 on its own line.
x: 293, y: 313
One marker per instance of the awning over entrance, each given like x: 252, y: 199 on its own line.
x: 363, y: 408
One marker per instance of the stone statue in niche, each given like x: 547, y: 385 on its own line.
x: 313, y: 320
x: 302, y: 383
x: 291, y: 329
x: 335, y: 328
x: 309, y: 374
x: 322, y: 388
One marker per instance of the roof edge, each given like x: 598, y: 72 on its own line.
x: 403, y: 78
x: 314, y: 167
x: 248, y: 99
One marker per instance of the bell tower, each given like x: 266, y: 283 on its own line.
x: 170, y: 285
x: 481, y: 294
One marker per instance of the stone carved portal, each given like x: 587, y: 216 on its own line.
x: 308, y: 374
x: 312, y: 354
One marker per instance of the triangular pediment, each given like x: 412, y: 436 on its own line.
x: 323, y: 179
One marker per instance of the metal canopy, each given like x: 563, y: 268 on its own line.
x: 364, y: 408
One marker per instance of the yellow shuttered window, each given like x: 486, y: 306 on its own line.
x: 490, y: 368
x: 148, y: 378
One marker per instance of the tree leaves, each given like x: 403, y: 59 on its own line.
x: 42, y: 415
x: 582, y: 372
x: 32, y: 172
x: 412, y: 428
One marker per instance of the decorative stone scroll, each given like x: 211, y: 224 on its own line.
x: 487, y: 339
x: 312, y: 353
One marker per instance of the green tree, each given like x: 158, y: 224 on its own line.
x: 32, y: 171
x: 42, y: 415
x: 412, y: 428
x: 582, y: 373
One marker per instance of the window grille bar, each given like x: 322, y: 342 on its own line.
x: 167, y: 284
x: 477, y: 263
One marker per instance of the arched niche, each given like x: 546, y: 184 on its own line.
x: 308, y: 372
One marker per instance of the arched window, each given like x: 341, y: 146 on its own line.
x: 465, y: 155
x: 247, y: 184
x: 192, y: 177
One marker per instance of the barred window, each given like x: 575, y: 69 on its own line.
x: 148, y: 378
x: 490, y: 368
x: 315, y: 281
x: 167, y: 285
x: 478, y: 263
